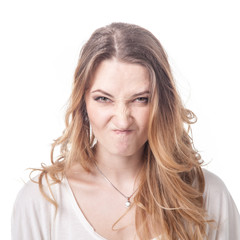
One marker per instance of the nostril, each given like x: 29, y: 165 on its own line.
x: 122, y: 122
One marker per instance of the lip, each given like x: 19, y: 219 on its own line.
x: 120, y: 131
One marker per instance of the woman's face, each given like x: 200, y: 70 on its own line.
x: 118, y: 107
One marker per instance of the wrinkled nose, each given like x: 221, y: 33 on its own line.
x: 122, y: 116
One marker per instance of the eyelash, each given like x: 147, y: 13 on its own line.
x: 142, y: 99
x: 105, y: 99
x: 102, y: 99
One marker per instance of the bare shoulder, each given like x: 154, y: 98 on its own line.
x: 78, y: 175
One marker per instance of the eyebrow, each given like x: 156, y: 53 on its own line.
x: 101, y: 91
x: 108, y: 94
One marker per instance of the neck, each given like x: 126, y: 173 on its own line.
x: 120, y: 170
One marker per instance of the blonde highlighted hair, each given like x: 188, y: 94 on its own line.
x: 170, y: 197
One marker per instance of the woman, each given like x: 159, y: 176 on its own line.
x: 127, y: 167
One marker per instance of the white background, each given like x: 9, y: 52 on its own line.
x: 39, y: 46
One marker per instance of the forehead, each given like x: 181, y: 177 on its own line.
x: 116, y: 76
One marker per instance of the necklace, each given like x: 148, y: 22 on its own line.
x: 127, y: 203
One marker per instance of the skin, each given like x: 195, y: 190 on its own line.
x: 118, y: 110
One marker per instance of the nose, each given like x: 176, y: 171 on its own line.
x: 122, y: 116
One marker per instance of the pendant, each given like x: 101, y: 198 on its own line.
x: 128, y: 203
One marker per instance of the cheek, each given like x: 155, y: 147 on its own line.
x: 142, y: 118
x: 98, y: 117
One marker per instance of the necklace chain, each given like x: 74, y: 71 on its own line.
x: 128, y: 203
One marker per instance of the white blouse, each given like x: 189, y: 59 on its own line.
x: 33, y: 217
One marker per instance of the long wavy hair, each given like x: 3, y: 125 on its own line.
x: 170, y: 197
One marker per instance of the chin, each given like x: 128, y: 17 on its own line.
x: 125, y: 152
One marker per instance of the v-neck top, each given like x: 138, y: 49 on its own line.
x: 35, y: 218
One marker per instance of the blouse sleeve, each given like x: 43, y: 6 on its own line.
x: 31, y: 215
x: 222, y: 209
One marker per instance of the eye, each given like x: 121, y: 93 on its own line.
x: 102, y: 99
x: 142, y: 99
